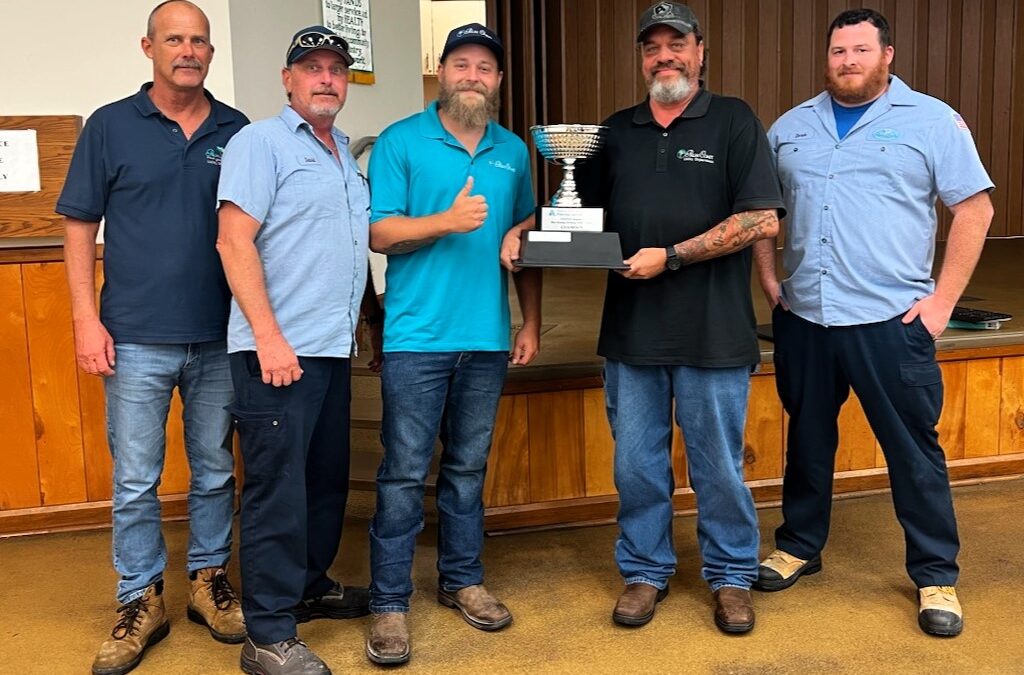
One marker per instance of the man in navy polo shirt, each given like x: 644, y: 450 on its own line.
x: 861, y: 166
x: 451, y: 190
x: 294, y: 211
x: 688, y: 183
x: 148, y: 166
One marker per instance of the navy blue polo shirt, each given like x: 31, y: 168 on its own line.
x: 157, y: 194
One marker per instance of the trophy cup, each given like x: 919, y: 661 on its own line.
x: 569, y: 234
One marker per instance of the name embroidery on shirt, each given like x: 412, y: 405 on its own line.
x: 214, y: 155
x: 498, y: 164
x: 694, y: 156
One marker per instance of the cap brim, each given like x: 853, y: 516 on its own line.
x: 300, y: 52
x: 683, y: 27
x: 499, y: 54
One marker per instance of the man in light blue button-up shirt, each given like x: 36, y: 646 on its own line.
x: 294, y: 218
x: 861, y: 167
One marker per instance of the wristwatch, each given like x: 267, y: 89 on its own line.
x: 672, y: 261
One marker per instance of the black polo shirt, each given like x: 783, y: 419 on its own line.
x: 661, y: 186
x: 156, y: 192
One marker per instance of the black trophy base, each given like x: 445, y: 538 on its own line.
x: 594, y: 250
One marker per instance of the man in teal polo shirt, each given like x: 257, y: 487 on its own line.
x: 451, y: 189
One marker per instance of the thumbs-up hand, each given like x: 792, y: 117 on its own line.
x: 467, y: 212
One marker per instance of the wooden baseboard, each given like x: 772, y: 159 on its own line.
x: 45, y: 519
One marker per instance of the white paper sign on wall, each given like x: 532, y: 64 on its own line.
x: 351, y: 20
x: 19, y: 161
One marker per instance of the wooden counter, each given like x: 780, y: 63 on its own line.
x: 551, y: 463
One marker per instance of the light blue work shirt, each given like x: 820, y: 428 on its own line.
x: 452, y: 294
x: 314, y: 215
x: 860, y: 231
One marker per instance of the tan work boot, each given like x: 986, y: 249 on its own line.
x: 140, y: 625
x: 212, y: 603
x: 479, y: 608
x: 780, y: 570
x: 387, y: 641
x: 939, y: 612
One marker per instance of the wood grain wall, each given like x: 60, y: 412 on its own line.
x: 576, y: 61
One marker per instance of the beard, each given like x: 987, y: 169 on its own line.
x: 469, y: 111
x: 874, y: 84
x: 673, y: 90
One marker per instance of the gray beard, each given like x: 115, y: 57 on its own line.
x: 670, y: 92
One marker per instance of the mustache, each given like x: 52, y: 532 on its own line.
x: 187, y: 62
x: 326, y: 91
x: 669, y: 65
x: 471, y: 86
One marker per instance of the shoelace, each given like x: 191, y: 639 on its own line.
x: 778, y: 557
x: 130, y: 619
x: 223, y: 595
x: 945, y: 593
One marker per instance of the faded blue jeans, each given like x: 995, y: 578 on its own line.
x: 711, y: 408
x: 426, y: 394
x: 138, y: 399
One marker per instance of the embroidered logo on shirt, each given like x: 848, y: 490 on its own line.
x: 694, y: 156
x: 214, y: 155
x: 308, y: 159
x: 498, y: 164
x: 960, y: 122
x: 885, y: 134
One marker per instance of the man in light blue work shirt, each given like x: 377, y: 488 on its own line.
x: 451, y: 189
x: 294, y: 212
x: 861, y: 166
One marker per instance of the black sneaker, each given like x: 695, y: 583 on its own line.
x: 289, y: 657
x: 341, y: 602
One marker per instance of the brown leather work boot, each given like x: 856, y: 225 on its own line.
x: 636, y: 604
x: 734, y: 610
x: 479, y: 608
x: 387, y: 641
x: 213, y: 603
x: 140, y: 625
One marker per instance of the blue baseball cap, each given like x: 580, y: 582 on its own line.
x: 313, y: 38
x: 474, y: 34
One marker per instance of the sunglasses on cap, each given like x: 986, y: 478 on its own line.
x: 319, y: 40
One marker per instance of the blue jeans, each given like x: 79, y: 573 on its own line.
x: 711, y: 409
x: 138, y: 399
x: 454, y: 394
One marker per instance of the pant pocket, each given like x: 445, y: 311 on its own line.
x: 264, y: 439
x: 923, y: 390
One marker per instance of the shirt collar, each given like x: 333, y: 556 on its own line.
x: 431, y: 127
x: 294, y: 121
x: 144, y: 104
x: 698, y: 107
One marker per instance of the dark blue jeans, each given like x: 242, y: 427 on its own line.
x: 295, y: 447
x: 891, y: 367
x: 419, y: 391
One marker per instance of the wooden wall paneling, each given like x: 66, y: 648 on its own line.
x: 1013, y: 183
x: 982, y: 128
x: 954, y: 409
x: 557, y: 460
x: 588, y: 63
x: 19, y: 468
x: 787, y: 65
x: 1011, y: 430
x: 981, y: 408
x: 54, y: 384
x: 805, y: 30
x: 680, y: 471
x: 598, y: 444
x: 731, y: 48
x: 175, y: 477
x: 508, y: 467
x: 99, y: 467
x: 938, y: 73
x: 856, y: 440
x: 763, y: 436
x: 571, y: 58
x: 767, y: 67
x: 625, y: 71
x: 1002, y: 86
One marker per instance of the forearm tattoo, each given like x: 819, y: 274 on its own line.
x: 735, y: 232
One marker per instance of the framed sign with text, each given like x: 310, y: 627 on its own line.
x: 351, y: 20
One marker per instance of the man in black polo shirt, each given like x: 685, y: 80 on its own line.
x: 148, y: 165
x: 688, y: 183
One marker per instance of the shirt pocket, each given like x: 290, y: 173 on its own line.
x: 800, y: 163
x: 879, y: 165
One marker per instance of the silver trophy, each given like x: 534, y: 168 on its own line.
x: 569, y: 234
x: 567, y: 144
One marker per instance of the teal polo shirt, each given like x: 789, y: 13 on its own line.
x: 451, y: 295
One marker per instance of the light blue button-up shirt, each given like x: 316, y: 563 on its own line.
x: 314, y: 215
x: 860, y: 234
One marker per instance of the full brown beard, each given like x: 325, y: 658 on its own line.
x: 475, y: 114
x: 874, y: 84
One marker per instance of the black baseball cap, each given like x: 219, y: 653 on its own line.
x: 672, y: 14
x: 313, y: 38
x: 474, y: 34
